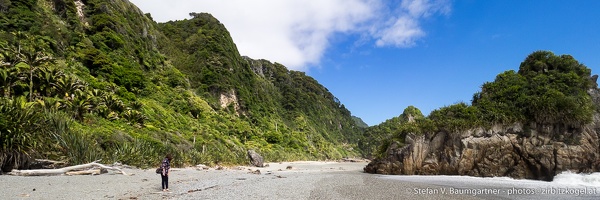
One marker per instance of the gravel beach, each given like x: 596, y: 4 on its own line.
x: 287, y: 180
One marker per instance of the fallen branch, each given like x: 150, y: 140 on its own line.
x: 87, y: 172
x: 64, y: 170
x: 49, y: 162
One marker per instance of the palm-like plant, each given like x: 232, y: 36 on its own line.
x: 80, y: 105
x: 67, y: 86
x: 94, y: 96
x: 102, y: 110
x: 136, y: 105
x: 113, y: 103
x: 10, y: 75
x: 32, y: 53
x: 134, y: 118
x: 48, y: 77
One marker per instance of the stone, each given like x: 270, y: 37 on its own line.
x: 255, y: 158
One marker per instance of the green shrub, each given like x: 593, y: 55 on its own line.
x: 548, y: 89
x: 77, y: 147
x: 137, y: 152
x: 22, y: 125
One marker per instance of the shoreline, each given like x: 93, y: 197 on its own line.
x: 285, y: 180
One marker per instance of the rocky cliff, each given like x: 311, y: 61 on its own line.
x: 522, y: 151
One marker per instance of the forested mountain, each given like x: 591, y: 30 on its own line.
x: 92, y: 79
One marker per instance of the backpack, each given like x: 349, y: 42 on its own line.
x: 159, y: 170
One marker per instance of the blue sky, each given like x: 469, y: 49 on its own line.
x: 378, y: 57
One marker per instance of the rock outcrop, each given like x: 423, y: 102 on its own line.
x: 519, y: 151
x: 229, y: 98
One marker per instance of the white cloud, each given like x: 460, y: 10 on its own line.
x: 425, y: 8
x: 296, y: 33
x: 404, y: 29
x: 402, y: 33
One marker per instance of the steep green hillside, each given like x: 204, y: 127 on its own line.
x: 378, y: 137
x: 265, y: 94
x: 359, y: 122
x: 548, y: 90
x: 93, y: 79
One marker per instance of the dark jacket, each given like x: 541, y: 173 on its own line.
x: 166, y: 165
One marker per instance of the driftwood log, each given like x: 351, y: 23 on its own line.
x: 88, y: 172
x: 65, y: 170
x: 46, y: 164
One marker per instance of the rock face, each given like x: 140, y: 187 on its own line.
x: 524, y: 152
x: 255, y: 159
x: 230, y: 98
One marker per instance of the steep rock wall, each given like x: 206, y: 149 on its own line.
x: 524, y: 152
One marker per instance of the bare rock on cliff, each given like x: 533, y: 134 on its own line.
x: 539, y: 152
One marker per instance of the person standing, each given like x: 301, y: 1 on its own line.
x: 166, y: 168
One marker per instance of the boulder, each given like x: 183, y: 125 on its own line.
x: 255, y: 158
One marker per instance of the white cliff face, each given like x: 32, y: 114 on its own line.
x: 79, y: 5
x: 230, y: 98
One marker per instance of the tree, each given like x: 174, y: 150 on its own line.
x: 547, y: 89
x: 9, y: 73
x: 33, y: 53
x: 23, y: 48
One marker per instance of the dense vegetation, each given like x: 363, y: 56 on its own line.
x: 92, y: 79
x: 394, y: 129
x: 547, y: 90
